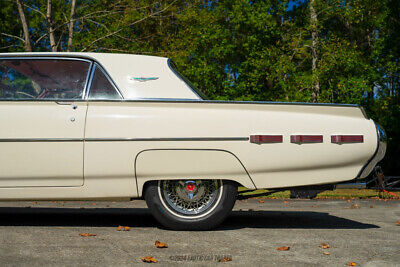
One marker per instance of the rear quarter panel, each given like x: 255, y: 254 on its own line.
x: 268, y: 165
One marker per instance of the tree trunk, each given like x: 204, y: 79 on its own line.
x: 71, y: 26
x: 50, y: 27
x: 25, y: 28
x: 314, y: 46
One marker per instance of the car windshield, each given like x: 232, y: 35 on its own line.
x: 197, y: 91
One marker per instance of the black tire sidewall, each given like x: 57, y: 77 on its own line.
x: 209, y: 221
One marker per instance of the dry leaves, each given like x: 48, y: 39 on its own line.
x: 354, y: 206
x: 149, y: 259
x: 261, y: 201
x: 352, y: 264
x: 286, y: 202
x: 123, y: 228
x: 326, y: 253
x: 86, y: 234
x: 371, y: 207
x: 161, y: 244
x: 325, y: 246
x: 283, y: 248
x: 226, y: 259
x: 398, y: 223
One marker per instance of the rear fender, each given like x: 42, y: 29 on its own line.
x: 183, y: 164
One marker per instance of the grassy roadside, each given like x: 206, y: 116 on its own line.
x: 335, y: 194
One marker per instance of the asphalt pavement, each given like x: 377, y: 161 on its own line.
x: 47, y: 234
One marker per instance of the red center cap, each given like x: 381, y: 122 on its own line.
x: 190, y: 187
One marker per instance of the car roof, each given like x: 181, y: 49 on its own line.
x: 136, y: 76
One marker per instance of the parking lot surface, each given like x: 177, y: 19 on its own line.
x: 47, y: 234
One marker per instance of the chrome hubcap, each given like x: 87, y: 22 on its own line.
x: 190, y: 197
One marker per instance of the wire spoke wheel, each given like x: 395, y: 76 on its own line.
x: 190, y: 198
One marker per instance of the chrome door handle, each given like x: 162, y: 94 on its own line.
x: 74, y: 106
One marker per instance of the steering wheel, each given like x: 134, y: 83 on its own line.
x: 25, y: 94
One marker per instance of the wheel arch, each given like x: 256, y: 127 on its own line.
x: 180, y: 164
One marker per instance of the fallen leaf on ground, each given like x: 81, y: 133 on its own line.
x: 348, y: 200
x: 261, y: 201
x: 286, y: 202
x: 225, y: 259
x: 123, y: 228
x: 371, y: 207
x: 324, y: 245
x: 86, y: 234
x: 398, y: 223
x: 161, y: 244
x: 326, y: 253
x: 149, y: 259
x: 94, y: 204
x: 283, y: 248
x: 354, y: 206
x: 314, y: 206
x: 352, y: 264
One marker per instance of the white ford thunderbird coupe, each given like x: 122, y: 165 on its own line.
x: 90, y: 126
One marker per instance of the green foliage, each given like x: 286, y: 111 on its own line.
x: 245, y: 50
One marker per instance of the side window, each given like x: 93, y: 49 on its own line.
x: 101, y: 87
x: 36, y: 79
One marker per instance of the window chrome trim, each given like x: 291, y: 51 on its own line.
x: 88, y: 80
x: 41, y: 57
x: 108, y: 77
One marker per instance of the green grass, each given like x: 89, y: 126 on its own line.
x: 330, y: 194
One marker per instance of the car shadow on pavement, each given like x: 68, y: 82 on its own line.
x: 140, y: 217
x: 290, y: 220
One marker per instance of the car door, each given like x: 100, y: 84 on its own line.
x: 42, y: 118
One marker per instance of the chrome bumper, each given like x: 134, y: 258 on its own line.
x: 379, y: 153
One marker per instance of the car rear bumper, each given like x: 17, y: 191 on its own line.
x: 379, y: 153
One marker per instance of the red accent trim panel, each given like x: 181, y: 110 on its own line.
x: 339, y: 139
x: 261, y: 139
x: 301, y: 139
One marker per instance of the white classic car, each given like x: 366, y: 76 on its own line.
x: 90, y: 125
